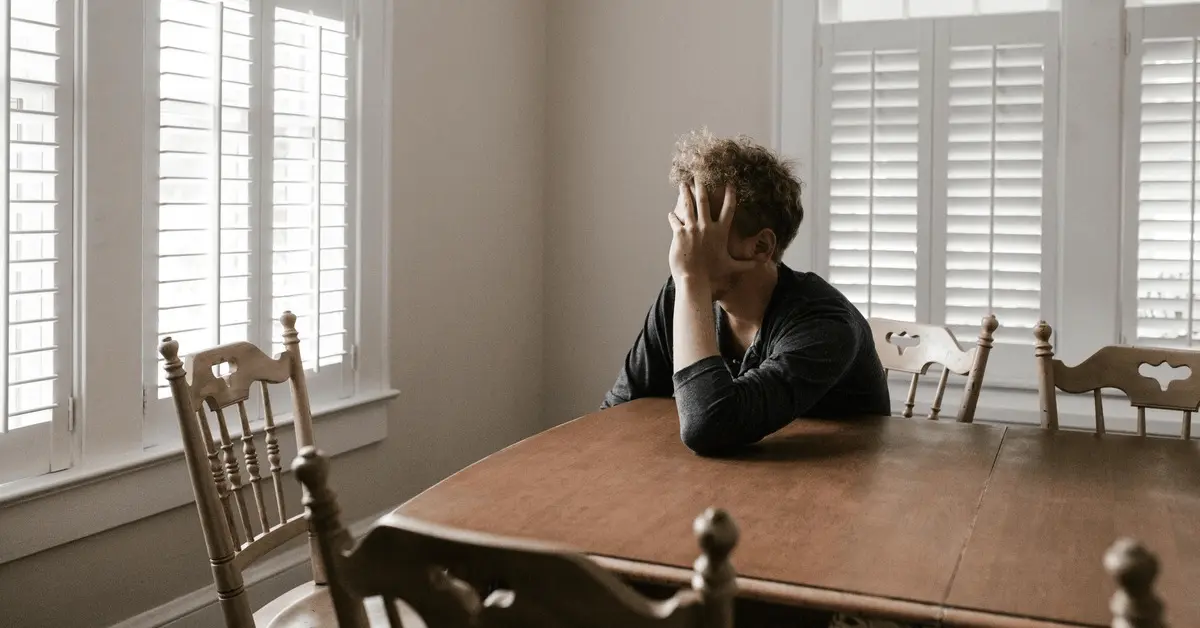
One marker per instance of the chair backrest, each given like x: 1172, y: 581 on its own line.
x: 238, y: 530
x: 1117, y: 367
x: 454, y: 578
x: 1135, y: 604
x: 914, y: 347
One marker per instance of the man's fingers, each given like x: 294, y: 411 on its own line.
x: 703, y: 211
x: 676, y: 225
x: 686, y: 206
x: 729, y: 205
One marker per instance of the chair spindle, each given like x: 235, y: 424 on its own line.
x: 1099, y: 414
x: 233, y: 470
x: 912, y: 396
x: 1186, y: 432
x: 1135, y: 604
x: 273, y: 452
x: 1141, y: 421
x: 218, y: 474
x: 251, y: 455
x: 936, y: 407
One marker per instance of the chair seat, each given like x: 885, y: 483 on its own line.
x: 309, y: 606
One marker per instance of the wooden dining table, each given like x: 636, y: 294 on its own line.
x: 934, y: 522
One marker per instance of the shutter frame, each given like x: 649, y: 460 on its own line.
x: 48, y: 445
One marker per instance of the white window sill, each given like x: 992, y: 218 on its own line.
x: 50, y: 510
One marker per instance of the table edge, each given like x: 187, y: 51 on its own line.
x: 835, y: 600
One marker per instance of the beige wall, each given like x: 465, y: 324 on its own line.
x: 625, y: 78
x: 466, y: 267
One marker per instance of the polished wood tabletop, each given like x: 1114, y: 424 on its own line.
x: 909, y: 518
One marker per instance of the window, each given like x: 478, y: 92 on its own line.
x: 37, y: 280
x: 1161, y: 175
x: 936, y: 144
x: 185, y: 168
x: 254, y: 182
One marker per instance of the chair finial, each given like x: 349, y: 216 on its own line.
x: 717, y: 533
x: 1042, y: 332
x: 312, y: 469
x: 1134, y: 568
x: 290, y: 335
x: 989, y: 324
x: 169, y: 349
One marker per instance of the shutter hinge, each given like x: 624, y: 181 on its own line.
x: 71, y: 414
x: 1128, y: 43
x: 820, y: 56
x: 354, y: 357
x: 356, y: 26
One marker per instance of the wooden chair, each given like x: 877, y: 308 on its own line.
x: 1135, y: 604
x: 238, y: 528
x: 1117, y: 367
x: 914, y: 347
x: 454, y: 578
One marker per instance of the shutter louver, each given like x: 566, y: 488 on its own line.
x: 39, y: 215
x: 205, y: 166
x: 873, y: 187
x: 994, y: 188
x: 1166, y: 193
x: 309, y: 261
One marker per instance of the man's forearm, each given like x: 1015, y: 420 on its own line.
x: 695, y: 336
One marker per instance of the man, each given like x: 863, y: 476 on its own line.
x: 744, y: 343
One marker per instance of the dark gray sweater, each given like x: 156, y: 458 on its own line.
x: 812, y: 357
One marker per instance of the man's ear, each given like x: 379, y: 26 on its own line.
x: 764, y: 245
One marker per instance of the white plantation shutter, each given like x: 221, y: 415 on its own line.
x: 38, y: 132
x: 253, y: 169
x: 1161, y: 174
x: 877, y: 113
x: 994, y: 153
x: 310, y: 222
x: 204, y: 169
x: 937, y: 141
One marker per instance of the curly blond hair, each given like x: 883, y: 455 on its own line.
x: 768, y: 192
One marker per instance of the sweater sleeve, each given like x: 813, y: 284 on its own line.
x: 718, y: 412
x: 646, y: 371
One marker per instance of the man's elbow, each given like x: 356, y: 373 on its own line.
x: 704, y: 437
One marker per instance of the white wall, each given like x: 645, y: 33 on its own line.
x: 466, y: 292
x: 625, y: 78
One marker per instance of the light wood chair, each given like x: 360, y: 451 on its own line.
x: 914, y: 347
x: 455, y: 579
x: 238, y: 528
x: 1135, y: 604
x: 1117, y: 367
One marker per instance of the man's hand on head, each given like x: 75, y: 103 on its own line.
x: 700, y: 245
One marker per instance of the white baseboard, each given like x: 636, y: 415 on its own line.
x: 266, y: 580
